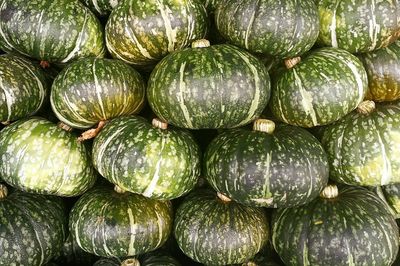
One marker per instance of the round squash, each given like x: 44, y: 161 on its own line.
x: 218, y: 86
x: 50, y: 30
x: 23, y: 88
x: 33, y: 227
x: 91, y: 90
x: 324, y: 86
x: 114, y: 223
x: 39, y: 156
x: 363, y: 147
x: 278, y: 168
x: 285, y: 28
x: 152, y: 160
x: 101, y: 8
x: 217, y: 231
x: 345, y: 226
x: 143, y: 32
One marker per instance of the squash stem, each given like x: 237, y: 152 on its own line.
x: 264, y: 125
x: 224, y: 198
x: 5, y: 123
x: 291, y: 62
x: 64, y: 126
x: 119, y: 190
x: 130, y: 262
x: 366, y: 107
x: 91, y: 133
x: 202, y: 43
x: 330, y: 192
x: 44, y: 64
x: 159, y: 124
x: 3, y: 191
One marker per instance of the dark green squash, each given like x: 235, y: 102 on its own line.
x: 218, y: 86
x: 72, y: 254
x: 112, y: 223
x: 50, y: 30
x: 155, y: 258
x: 101, y: 7
x: 41, y: 157
x: 282, y: 167
x: 33, y: 227
x: 345, y: 226
x: 285, y: 28
x: 148, y: 159
x: 392, y: 197
x: 217, y: 231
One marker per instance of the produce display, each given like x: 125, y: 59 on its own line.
x: 199, y: 132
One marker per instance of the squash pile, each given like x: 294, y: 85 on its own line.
x: 199, y: 132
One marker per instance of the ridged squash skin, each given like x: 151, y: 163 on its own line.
x: 91, y: 90
x: 112, y: 224
x: 284, y: 28
x: 354, y: 228
x: 219, y: 86
x: 50, y: 30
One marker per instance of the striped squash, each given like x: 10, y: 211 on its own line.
x: 50, y: 30
x: 39, y: 156
x: 383, y: 70
x: 217, y: 231
x: 148, y: 159
x: 33, y: 227
x: 91, y: 90
x: 285, y: 28
x: 363, y: 148
x: 143, y: 32
x: 345, y: 226
x: 23, y: 88
x: 101, y: 7
x: 326, y: 85
x: 358, y: 26
x: 218, y: 86
x: 114, y: 223
x: 265, y: 167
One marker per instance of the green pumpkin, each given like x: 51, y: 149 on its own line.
x: 50, y: 30
x: 112, y: 223
x: 155, y: 258
x: 358, y: 26
x: 152, y: 160
x: 101, y: 7
x: 41, y: 157
x: 345, y: 226
x: 324, y: 86
x: 33, y: 227
x: 267, y: 167
x: 23, y: 85
x: 285, y: 28
x: 217, y: 231
x: 91, y: 90
x: 363, y: 147
x: 143, y: 32
x: 218, y: 86
x: 72, y: 254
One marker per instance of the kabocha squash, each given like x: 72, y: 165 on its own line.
x: 363, y: 147
x: 72, y: 254
x: 91, y: 90
x: 41, y: 157
x: 148, y: 159
x: 155, y: 258
x: 324, y: 86
x: 383, y: 70
x: 143, y: 32
x: 101, y: 7
x: 358, y: 26
x: 23, y: 88
x: 50, y: 30
x: 33, y: 227
x: 282, y: 167
x: 217, y: 231
x: 345, y: 226
x: 112, y: 223
x: 218, y: 86
x: 285, y: 28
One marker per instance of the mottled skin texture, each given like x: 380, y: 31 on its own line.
x: 364, y: 150
x: 95, y: 89
x: 355, y: 228
x: 111, y: 224
x: 143, y: 32
x: 326, y: 85
x: 50, y: 30
x: 285, y: 28
x: 358, y: 26
x: 220, y: 86
x: 101, y: 7
x: 72, y: 254
x: 33, y: 229
x: 23, y: 87
x: 383, y: 70
x: 392, y: 196
x: 157, y: 163
x: 38, y: 156
x: 214, y: 232
x: 284, y: 169
x: 155, y: 258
